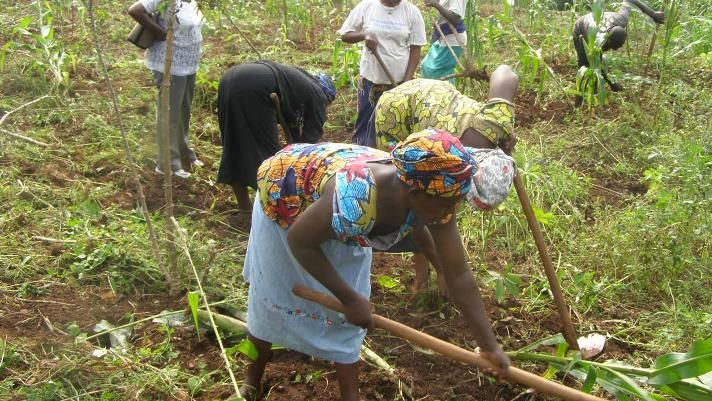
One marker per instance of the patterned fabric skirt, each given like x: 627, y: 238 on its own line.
x: 276, y: 315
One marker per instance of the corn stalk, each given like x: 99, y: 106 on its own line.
x: 590, y: 84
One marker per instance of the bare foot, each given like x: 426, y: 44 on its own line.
x: 442, y: 287
x: 250, y: 393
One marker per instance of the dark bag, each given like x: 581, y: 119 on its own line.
x: 141, y: 36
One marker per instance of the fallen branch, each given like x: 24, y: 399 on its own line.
x: 373, y: 358
x: 2, y: 119
x: 479, y: 75
x: 22, y: 137
x: 226, y: 323
x: 136, y: 322
x: 54, y: 240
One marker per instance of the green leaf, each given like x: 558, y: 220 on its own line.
x: 73, y: 330
x: 193, y: 300
x: 553, y: 340
x: 687, y: 391
x: 247, y: 348
x: 675, y: 366
x: 706, y: 379
x: 543, y: 217
x: 590, y: 380
x: 194, y: 384
x: 624, y: 383
x: 387, y: 282
x: 499, y: 290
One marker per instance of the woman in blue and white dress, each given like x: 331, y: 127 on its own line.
x: 187, y: 38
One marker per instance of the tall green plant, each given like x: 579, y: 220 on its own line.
x: 672, y: 26
x: 590, y: 84
x: 345, y: 64
x: 474, y: 44
x: 52, y: 60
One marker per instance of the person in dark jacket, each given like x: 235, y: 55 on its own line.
x: 614, y: 27
x: 248, y: 119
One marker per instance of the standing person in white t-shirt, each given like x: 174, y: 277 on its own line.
x: 187, y: 38
x: 395, y: 29
x: 439, y: 62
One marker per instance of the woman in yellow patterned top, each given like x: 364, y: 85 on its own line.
x: 424, y: 103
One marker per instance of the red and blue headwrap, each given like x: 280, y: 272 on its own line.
x: 435, y: 162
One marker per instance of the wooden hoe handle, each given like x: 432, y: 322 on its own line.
x: 383, y: 66
x: 568, y: 328
x: 451, y: 351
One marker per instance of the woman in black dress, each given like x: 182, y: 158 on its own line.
x: 248, y: 120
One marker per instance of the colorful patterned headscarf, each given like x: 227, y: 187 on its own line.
x: 327, y: 85
x: 436, y: 162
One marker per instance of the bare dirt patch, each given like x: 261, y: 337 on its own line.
x: 43, y: 319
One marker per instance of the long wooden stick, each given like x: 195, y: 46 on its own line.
x: 451, y: 351
x: 285, y: 128
x: 383, y: 66
x: 568, y: 328
x: 452, y: 52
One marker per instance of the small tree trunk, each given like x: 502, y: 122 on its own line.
x: 164, y: 139
x: 170, y: 279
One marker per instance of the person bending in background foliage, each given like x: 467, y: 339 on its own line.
x: 439, y: 62
x: 187, y: 38
x: 614, y: 27
x: 395, y: 29
x: 423, y: 103
x: 248, y: 120
x: 319, y: 211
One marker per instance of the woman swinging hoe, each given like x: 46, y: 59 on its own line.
x: 320, y: 210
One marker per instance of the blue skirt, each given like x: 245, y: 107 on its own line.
x: 276, y: 315
x: 439, y: 62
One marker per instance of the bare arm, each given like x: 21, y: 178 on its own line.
x: 452, y: 17
x: 424, y: 242
x: 657, y: 16
x: 464, y: 292
x: 355, y: 37
x: 305, y: 236
x: 413, y: 61
x: 139, y: 13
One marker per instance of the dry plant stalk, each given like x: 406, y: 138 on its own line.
x: 172, y: 284
x: 164, y: 139
x: 210, y: 315
x: 20, y: 136
x: 372, y: 357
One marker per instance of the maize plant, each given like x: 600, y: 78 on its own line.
x: 590, y: 84
x: 685, y: 376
